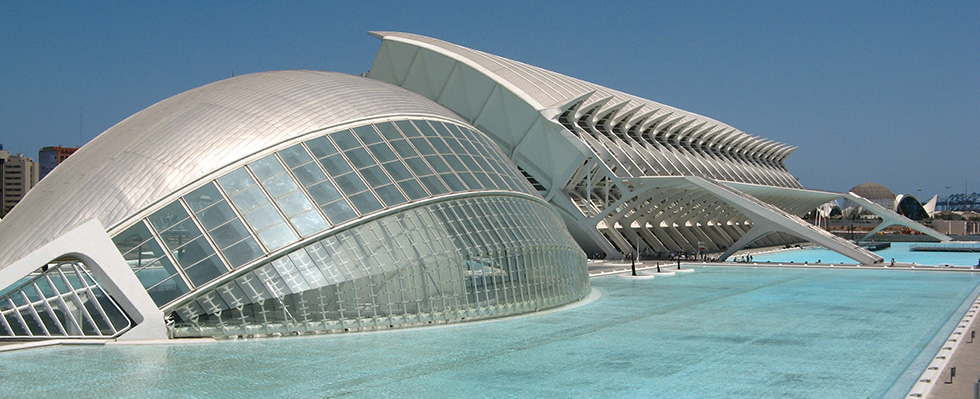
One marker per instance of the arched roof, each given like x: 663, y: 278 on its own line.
x: 182, y: 139
x: 544, y: 89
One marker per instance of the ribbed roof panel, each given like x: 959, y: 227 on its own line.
x: 182, y: 139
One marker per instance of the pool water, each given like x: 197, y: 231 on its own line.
x: 899, y: 250
x: 729, y: 332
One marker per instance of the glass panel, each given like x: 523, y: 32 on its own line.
x: 382, y: 152
x: 235, y: 181
x: 168, y: 216
x: 438, y: 164
x: 294, y: 203
x: 243, y: 252
x: 404, y: 149
x: 422, y: 146
x: 321, y: 147
x: 324, y: 192
x: 263, y: 217
x: 230, y: 233
x: 345, y: 139
x: 350, y: 183
x: 168, y: 290
x: 339, y: 211
x: 335, y: 165
x: 453, y: 182
x: 205, y: 271
x: 367, y: 134
x: 388, y: 130
x: 249, y: 199
x: 434, y: 185
x: 398, y: 171
x: 407, y: 129
x: 280, y: 185
x: 309, y: 174
x: 295, y: 155
x: 413, y: 189
x: 203, y: 197
x: 390, y: 195
x: 216, y: 215
x: 375, y: 177
x: 359, y: 157
x: 309, y: 223
x: 418, y: 166
x: 277, y: 237
x: 265, y: 167
x: 365, y: 202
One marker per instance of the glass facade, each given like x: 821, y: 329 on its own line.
x: 460, y: 259
x: 60, y: 301
x: 245, y: 218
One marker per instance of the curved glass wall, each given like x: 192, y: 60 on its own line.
x: 463, y: 258
x: 304, y: 190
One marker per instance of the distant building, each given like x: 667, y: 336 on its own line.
x: 20, y: 173
x: 49, y: 157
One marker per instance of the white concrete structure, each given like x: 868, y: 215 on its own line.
x: 625, y: 172
x: 281, y: 203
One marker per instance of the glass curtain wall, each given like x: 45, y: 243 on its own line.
x: 464, y: 258
x: 304, y: 190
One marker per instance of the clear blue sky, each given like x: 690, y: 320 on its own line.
x: 875, y: 91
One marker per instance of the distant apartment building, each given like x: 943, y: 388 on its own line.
x: 49, y: 157
x: 20, y: 174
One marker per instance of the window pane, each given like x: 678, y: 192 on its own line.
x: 266, y: 167
x: 168, y: 216
x: 216, y: 215
x: 205, y: 271
x: 263, y: 217
x: 398, y: 171
x: 280, y: 185
x: 365, y: 202
x: 360, y: 158
x: 324, y: 192
x: 335, y: 165
x: 367, y: 134
x: 422, y: 146
x: 413, y: 189
x: 249, y: 198
x: 375, y: 177
x: 309, y: 223
x: 390, y: 195
x: 229, y: 234
x: 418, y: 166
x: 168, y: 290
x: 404, y: 149
x: 453, y: 182
x: 243, y: 252
x: 321, y: 147
x: 235, y: 181
x: 434, y: 186
x: 388, y: 130
x: 203, y: 197
x: 350, y: 183
x: 438, y: 164
x: 345, y: 140
x: 309, y: 174
x: 294, y: 203
x: 295, y: 155
x: 407, y: 129
x: 382, y: 152
x: 339, y: 211
x: 277, y: 237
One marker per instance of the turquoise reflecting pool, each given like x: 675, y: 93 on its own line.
x: 719, y: 332
x: 898, y: 250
